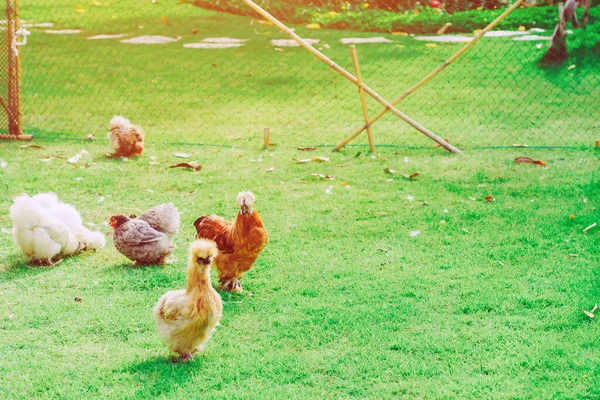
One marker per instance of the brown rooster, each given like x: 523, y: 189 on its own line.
x: 126, y: 139
x: 239, y: 242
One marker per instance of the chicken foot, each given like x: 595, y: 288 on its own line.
x: 232, y: 285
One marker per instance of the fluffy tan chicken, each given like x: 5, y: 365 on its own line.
x: 239, y: 242
x: 47, y: 230
x: 126, y: 139
x: 187, y: 318
x: 147, y: 240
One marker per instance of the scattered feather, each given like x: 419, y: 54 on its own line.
x: 414, y: 233
x: 3, y: 164
x: 182, y: 155
x: 590, y: 313
x: 410, y: 198
x: 271, y: 169
x: 4, y: 230
x: 589, y: 227
x: 389, y: 171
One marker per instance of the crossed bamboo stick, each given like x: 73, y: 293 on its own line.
x: 366, y: 89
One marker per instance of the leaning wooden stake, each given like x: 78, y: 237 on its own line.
x: 361, y: 91
x: 351, y: 77
x: 433, y: 73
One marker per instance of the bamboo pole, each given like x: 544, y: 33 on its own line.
x: 17, y: 105
x: 433, y: 73
x: 361, y: 91
x: 351, y: 77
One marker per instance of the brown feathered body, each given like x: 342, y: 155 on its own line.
x: 239, y: 242
x: 187, y: 318
x: 148, y: 239
x: 126, y: 139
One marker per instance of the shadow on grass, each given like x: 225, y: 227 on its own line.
x: 16, y: 266
x: 160, y: 376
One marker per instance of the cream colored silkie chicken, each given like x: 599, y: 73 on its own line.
x: 126, y: 139
x: 47, y: 230
x: 187, y: 318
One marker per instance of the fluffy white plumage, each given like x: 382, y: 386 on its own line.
x: 45, y: 228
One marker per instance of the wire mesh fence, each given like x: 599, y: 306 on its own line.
x: 202, y: 73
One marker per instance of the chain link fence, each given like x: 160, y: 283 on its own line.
x: 217, y: 73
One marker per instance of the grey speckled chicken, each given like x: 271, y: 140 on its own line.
x: 148, y: 239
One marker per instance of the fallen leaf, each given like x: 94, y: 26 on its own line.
x: 411, y: 177
x: 191, y: 165
x: 78, y: 299
x: 345, y: 184
x: 307, y: 148
x: 447, y: 140
x: 263, y: 22
x: 31, y: 146
x: 324, y: 176
x: 572, y: 255
x: 194, y: 32
x: 320, y: 159
x: 149, y: 190
x: 520, y: 145
x: 90, y: 137
x: 182, y: 155
x: 399, y: 33
x: 472, y: 198
x: 527, y: 160
x: 313, y: 26
x: 489, y: 198
x: 431, y: 45
x: 389, y: 171
x: 521, y: 28
x: 571, y: 217
x: 571, y: 67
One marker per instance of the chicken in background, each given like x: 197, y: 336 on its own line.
x: 187, y: 318
x: 147, y: 240
x: 46, y: 229
x: 239, y: 242
x: 126, y: 139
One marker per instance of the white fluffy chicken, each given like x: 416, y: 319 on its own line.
x: 46, y: 229
x: 187, y: 318
x: 126, y: 139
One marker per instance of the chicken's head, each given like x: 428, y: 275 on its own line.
x: 117, y: 220
x: 203, y: 252
x: 245, y: 200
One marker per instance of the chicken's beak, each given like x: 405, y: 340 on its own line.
x: 203, y: 260
x: 244, y: 209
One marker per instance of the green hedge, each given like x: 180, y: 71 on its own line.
x: 419, y: 20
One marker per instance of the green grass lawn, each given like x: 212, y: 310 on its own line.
x: 345, y: 302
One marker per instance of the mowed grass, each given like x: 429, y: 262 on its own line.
x: 493, y: 96
x: 345, y: 302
